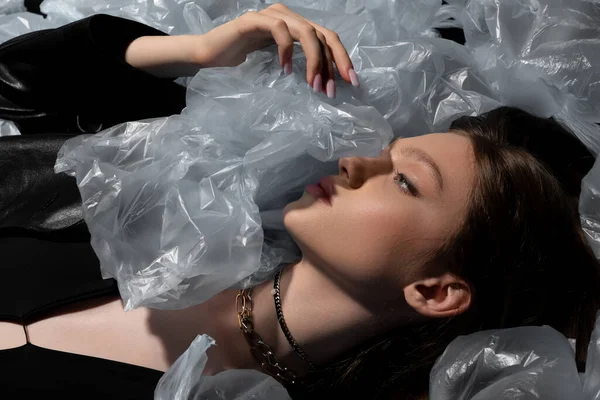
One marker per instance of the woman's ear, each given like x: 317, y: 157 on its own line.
x: 440, y: 297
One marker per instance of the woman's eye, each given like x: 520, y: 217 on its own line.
x: 405, y: 184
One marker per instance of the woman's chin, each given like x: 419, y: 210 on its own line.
x: 302, y: 202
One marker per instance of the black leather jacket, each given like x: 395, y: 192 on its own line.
x: 58, y: 83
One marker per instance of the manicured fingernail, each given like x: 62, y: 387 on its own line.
x: 317, y: 83
x: 331, y: 89
x: 287, y: 68
x: 353, y: 77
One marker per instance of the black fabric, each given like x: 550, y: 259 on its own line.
x: 32, y: 372
x: 55, y: 80
x: 55, y: 84
x: 32, y: 196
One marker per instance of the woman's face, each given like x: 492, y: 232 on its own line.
x: 387, y: 214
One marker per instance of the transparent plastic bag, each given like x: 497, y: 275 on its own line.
x: 540, y: 55
x: 180, y: 208
x: 11, y: 6
x: 405, y: 17
x: 175, y: 17
x: 137, y: 179
x: 544, y: 57
x: 21, y: 23
x: 591, y: 379
x: 170, y: 202
x: 523, y: 363
x: 184, y: 380
x: 589, y: 207
x: 8, y: 128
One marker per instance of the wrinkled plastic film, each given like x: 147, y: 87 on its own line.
x: 11, y: 6
x: 418, y: 84
x: 184, y: 380
x: 181, y: 380
x: 519, y: 363
x: 589, y: 207
x: 544, y: 57
x: 180, y: 208
x: 8, y: 128
x: 551, y: 47
x: 303, y: 140
x: 591, y: 380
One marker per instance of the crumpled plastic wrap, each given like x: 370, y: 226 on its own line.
x: 544, y: 57
x: 195, y: 178
x: 8, y: 128
x: 591, y: 378
x: 181, y: 381
x: 589, y: 207
x: 540, y: 55
x: 19, y: 23
x: 180, y: 208
x: 11, y: 6
x: 137, y: 191
x: 523, y: 363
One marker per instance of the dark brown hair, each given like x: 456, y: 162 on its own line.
x: 521, y: 248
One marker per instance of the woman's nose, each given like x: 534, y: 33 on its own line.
x: 356, y: 170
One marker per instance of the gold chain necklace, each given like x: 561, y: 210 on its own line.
x: 261, y: 351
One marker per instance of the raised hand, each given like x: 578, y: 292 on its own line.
x: 230, y: 43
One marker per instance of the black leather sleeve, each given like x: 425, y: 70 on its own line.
x: 32, y: 196
x: 74, y: 78
x: 58, y: 83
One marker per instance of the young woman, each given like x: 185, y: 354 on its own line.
x: 440, y: 235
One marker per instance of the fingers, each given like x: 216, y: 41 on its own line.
x: 335, y: 48
x: 327, y: 73
x: 285, y: 42
x: 255, y: 23
x: 313, y: 51
x: 284, y: 33
x: 340, y: 56
x: 322, y: 47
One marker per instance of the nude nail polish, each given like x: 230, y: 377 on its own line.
x: 353, y: 77
x: 317, y: 83
x: 331, y: 89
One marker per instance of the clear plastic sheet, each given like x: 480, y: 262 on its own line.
x: 171, y: 16
x: 8, y: 128
x: 183, y: 16
x: 589, y: 207
x: 411, y: 87
x: 181, y: 381
x: 523, y: 363
x: 553, y: 46
x: 21, y: 23
x: 172, y: 203
x: 540, y: 55
x: 418, y: 83
x: 180, y: 208
x: 591, y: 378
x: 11, y: 6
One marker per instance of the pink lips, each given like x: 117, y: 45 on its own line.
x: 323, y: 190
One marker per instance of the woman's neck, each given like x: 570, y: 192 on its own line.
x: 324, y: 320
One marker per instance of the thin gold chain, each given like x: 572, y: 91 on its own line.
x: 261, y: 351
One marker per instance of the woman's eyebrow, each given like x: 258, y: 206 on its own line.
x: 421, y: 156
